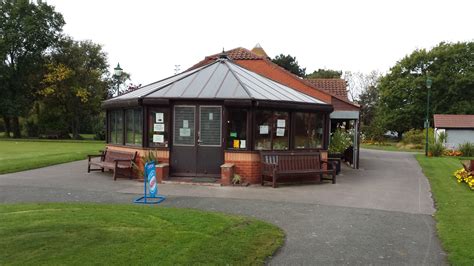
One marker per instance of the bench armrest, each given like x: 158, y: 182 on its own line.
x: 90, y: 156
x: 269, y: 167
x: 334, y: 165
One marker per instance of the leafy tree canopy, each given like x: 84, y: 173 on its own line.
x: 289, y: 63
x: 27, y: 30
x: 324, y: 74
x: 76, y: 81
x: 403, y: 91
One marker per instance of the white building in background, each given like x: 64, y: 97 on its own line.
x: 459, y: 129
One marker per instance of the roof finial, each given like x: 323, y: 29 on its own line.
x: 223, y: 55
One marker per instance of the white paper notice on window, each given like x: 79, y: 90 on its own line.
x: 211, y: 116
x: 159, y: 127
x: 185, y: 124
x: 280, y: 132
x: 160, y: 118
x: 242, y: 144
x: 184, y: 132
x: 263, y: 130
x: 158, y: 138
x: 281, y: 123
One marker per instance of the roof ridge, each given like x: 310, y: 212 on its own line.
x: 238, y: 79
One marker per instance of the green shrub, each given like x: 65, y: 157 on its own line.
x: 340, y: 141
x: 418, y: 136
x: 467, y: 149
x: 436, y: 149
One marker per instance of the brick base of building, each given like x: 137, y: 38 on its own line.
x: 247, y: 165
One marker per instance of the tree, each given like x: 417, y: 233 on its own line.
x: 76, y: 82
x: 363, y: 89
x: 403, y: 91
x: 289, y: 63
x: 27, y: 30
x: 325, y: 74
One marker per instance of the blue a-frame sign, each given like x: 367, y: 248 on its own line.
x: 150, y: 187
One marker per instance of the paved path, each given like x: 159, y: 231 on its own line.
x: 380, y: 214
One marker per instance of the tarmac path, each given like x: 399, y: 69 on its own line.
x: 379, y: 214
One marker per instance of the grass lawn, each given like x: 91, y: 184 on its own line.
x: 23, y: 154
x: 388, y: 146
x: 100, y: 234
x: 455, y: 208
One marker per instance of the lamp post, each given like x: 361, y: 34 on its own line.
x: 117, y: 74
x: 429, y: 82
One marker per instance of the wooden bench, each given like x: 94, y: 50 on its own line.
x: 276, y: 164
x: 116, y: 161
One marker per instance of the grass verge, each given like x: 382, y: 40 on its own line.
x: 98, y: 234
x: 454, y: 208
x: 23, y: 154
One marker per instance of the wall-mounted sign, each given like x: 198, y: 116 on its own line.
x: 159, y: 127
x: 185, y: 132
x: 211, y: 116
x: 281, y: 122
x: 263, y: 129
x: 280, y: 132
x: 242, y: 144
x: 160, y: 118
x: 236, y: 144
x: 185, y: 123
x: 233, y: 134
x: 158, y: 138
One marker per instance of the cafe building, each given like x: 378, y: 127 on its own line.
x: 214, y: 115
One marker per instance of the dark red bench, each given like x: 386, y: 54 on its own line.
x: 278, y: 164
x: 117, y: 161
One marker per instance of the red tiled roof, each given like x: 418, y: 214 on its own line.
x: 262, y: 65
x: 334, y: 86
x: 454, y: 121
x: 238, y: 53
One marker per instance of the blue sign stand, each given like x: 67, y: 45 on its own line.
x: 150, y: 182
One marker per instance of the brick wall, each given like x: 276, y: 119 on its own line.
x: 247, y: 165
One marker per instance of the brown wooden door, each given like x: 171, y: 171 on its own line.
x: 197, y: 141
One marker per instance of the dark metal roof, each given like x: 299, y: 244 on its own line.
x: 219, y: 80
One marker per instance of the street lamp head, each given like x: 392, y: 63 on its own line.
x: 118, y: 70
x: 429, y: 82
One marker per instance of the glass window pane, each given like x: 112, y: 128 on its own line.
x: 138, y: 126
x: 133, y: 121
x: 210, y: 125
x: 280, y: 131
x: 236, y: 129
x: 184, y: 125
x: 158, y: 127
x: 119, y: 127
x: 263, y: 122
x: 116, y: 127
x: 308, y: 130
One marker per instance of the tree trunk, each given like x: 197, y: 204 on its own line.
x: 75, y: 127
x: 16, y: 127
x: 8, y: 127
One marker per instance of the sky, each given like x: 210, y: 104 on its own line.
x: 149, y: 38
